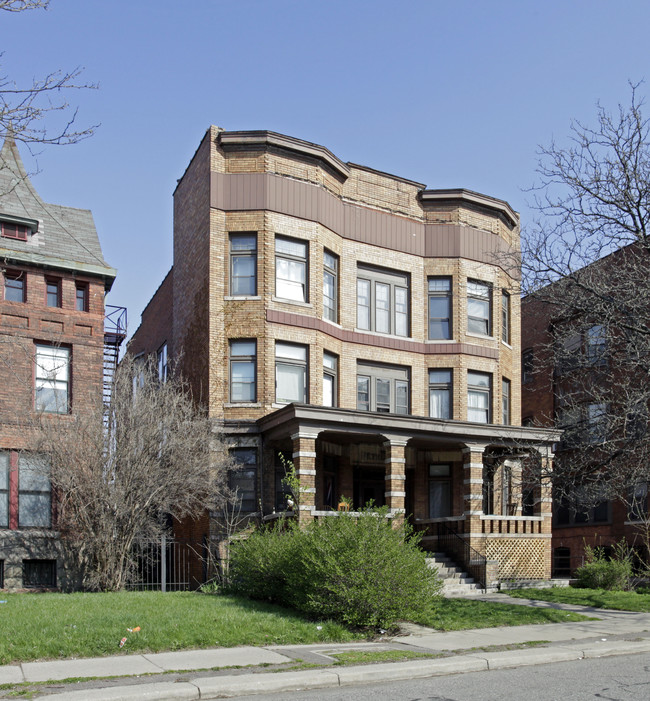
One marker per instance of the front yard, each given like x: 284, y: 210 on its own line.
x: 57, y: 626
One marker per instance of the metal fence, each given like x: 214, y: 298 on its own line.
x: 170, y: 564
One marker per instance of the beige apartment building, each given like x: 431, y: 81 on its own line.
x: 365, y: 328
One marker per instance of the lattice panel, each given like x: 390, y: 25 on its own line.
x: 519, y: 558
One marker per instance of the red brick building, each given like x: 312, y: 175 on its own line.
x: 362, y: 326
x: 52, y: 351
x: 564, y: 354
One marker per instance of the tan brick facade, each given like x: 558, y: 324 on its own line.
x: 274, y: 188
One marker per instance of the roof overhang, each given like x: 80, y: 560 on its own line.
x: 462, y: 196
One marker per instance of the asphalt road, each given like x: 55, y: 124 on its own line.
x: 619, y: 678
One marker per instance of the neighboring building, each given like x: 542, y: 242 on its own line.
x: 52, y: 354
x: 566, y: 374
x: 365, y: 328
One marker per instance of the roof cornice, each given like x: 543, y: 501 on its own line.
x: 462, y: 196
x: 288, y: 143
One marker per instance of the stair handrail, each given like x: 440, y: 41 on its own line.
x: 450, y: 542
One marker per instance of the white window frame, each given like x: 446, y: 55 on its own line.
x: 506, y: 399
x: 330, y: 379
x: 291, y: 359
x: 162, y: 357
x: 330, y: 286
x: 505, y: 316
x: 291, y: 269
x: 479, y: 396
x: 52, y: 373
x: 479, y: 296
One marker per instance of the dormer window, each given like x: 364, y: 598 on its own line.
x: 18, y: 232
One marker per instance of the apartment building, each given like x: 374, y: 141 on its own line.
x: 585, y: 374
x: 365, y: 328
x: 52, y: 351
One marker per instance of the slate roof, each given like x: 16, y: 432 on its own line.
x: 64, y: 237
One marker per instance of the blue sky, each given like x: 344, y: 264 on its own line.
x: 450, y: 94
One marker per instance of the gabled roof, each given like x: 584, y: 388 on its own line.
x: 64, y: 238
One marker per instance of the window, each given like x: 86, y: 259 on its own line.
x: 243, y: 365
x: 479, y: 303
x: 4, y: 490
x: 81, y: 297
x: 567, y: 514
x: 14, y: 231
x: 243, y: 478
x: 34, y: 493
x: 439, y: 491
x: 439, y: 308
x: 527, y: 365
x: 440, y: 394
x: 637, y: 502
x: 330, y: 377
x: 505, y: 401
x: 597, y: 422
x: 2, y: 574
x: 163, y: 363
x: 330, y: 291
x: 290, y: 373
x: 382, y: 301
x: 243, y: 265
x: 595, y: 345
x: 291, y: 269
x: 39, y: 573
x: 505, y: 317
x: 52, y: 379
x: 14, y: 287
x: 53, y: 292
x: 479, y: 386
x: 562, y: 562
x: 382, y: 388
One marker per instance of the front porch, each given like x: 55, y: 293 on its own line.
x: 482, y: 483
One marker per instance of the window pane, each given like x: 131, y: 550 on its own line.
x: 439, y: 376
x: 401, y: 311
x: 363, y: 393
x: 243, y: 242
x: 439, y: 498
x: 329, y: 296
x: 439, y: 404
x: 243, y: 275
x: 290, y: 279
x: 34, y: 510
x: 439, y: 284
x: 383, y: 395
x: 290, y: 381
x: 52, y: 363
x: 329, y: 361
x: 328, y: 390
x: 243, y: 381
x: 478, y: 379
x: 242, y: 348
x: 401, y: 397
x: 4, y: 490
x: 330, y: 260
x: 14, y: 289
x: 478, y: 406
x: 33, y: 475
x: 52, y: 294
x: 363, y: 304
x: 382, y: 308
x: 478, y: 289
x: 289, y: 350
x: 292, y: 248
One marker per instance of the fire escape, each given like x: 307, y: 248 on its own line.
x: 114, y: 334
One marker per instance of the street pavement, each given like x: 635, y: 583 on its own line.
x: 230, y: 672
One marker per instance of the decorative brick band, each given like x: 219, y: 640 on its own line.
x: 275, y: 316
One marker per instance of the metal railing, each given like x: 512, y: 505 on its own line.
x: 169, y: 564
x: 450, y: 543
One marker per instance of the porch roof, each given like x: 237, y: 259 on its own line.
x: 317, y: 419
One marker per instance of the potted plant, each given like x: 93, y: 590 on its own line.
x: 344, y: 503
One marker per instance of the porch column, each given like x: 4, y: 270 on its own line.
x: 304, y: 462
x: 395, y: 461
x: 473, y: 486
x: 546, y: 505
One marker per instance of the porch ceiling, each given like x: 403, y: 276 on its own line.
x: 362, y: 425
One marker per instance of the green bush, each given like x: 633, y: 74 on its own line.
x: 357, y: 569
x: 600, y: 572
x: 259, y: 565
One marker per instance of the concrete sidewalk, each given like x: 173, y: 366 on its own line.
x: 209, y: 674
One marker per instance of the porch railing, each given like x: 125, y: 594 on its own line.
x: 450, y: 543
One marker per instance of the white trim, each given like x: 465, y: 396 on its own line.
x: 472, y: 481
x: 491, y: 517
x: 242, y: 298
x: 473, y: 465
x: 395, y: 477
x: 394, y: 494
x: 399, y: 461
x: 304, y: 454
x: 305, y: 472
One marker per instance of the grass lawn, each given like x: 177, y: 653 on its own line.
x: 56, y: 626
x: 463, y: 614
x: 598, y: 598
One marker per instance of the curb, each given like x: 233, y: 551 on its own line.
x: 229, y: 686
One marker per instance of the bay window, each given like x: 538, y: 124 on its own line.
x: 290, y: 373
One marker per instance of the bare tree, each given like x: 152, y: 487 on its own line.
x: 586, y: 270
x: 28, y: 112
x: 158, y: 458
